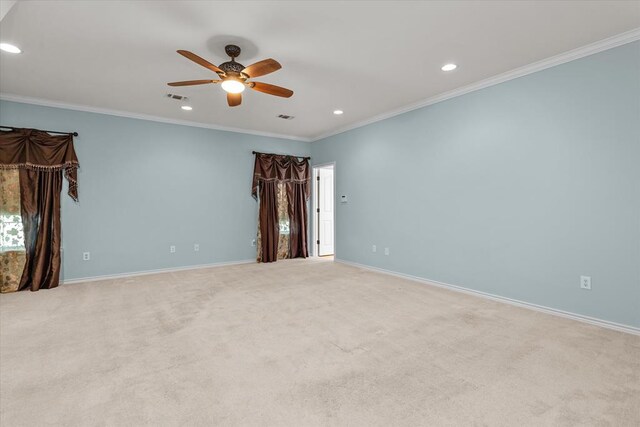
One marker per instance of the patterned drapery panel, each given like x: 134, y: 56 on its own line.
x: 12, y: 252
x: 284, y: 225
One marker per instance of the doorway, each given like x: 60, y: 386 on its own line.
x: 324, y: 210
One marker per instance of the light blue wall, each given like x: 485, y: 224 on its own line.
x: 145, y: 186
x: 515, y: 190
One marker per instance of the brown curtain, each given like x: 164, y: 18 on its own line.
x: 268, y: 222
x: 283, y: 183
x: 41, y: 160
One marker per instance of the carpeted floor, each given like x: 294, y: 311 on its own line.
x: 302, y: 343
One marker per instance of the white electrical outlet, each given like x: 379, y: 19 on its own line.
x: 585, y: 282
x: 253, y: 242
x: 86, y: 256
x: 386, y: 251
x: 196, y: 247
x: 374, y: 248
x: 172, y: 249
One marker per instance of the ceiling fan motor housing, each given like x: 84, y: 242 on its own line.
x: 231, y: 66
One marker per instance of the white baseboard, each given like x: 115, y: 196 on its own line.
x: 160, y: 270
x: 579, y: 317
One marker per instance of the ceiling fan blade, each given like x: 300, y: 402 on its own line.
x: 271, y: 89
x: 261, y: 68
x: 234, y: 99
x: 195, y: 58
x: 193, y: 82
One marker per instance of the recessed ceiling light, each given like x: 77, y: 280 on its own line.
x: 338, y: 112
x: 449, y: 67
x: 186, y: 107
x: 9, y: 48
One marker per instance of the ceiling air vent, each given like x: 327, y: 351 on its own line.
x: 177, y: 97
x: 285, y: 117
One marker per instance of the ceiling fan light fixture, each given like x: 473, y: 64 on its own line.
x: 232, y: 86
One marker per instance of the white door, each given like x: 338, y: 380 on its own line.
x: 325, y: 212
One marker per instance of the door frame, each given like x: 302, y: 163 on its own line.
x: 314, y: 217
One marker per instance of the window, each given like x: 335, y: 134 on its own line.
x: 284, y: 225
x: 11, y: 233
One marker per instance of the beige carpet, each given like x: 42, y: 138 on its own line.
x: 302, y: 343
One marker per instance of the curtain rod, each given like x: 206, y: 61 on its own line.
x: 271, y: 154
x: 48, y: 131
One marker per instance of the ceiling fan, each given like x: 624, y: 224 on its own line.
x: 234, y: 76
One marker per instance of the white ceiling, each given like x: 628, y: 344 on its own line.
x: 366, y: 58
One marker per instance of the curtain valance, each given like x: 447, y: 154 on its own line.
x: 273, y: 167
x: 37, y: 150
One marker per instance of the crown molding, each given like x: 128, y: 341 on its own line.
x: 581, y: 52
x: 130, y: 115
